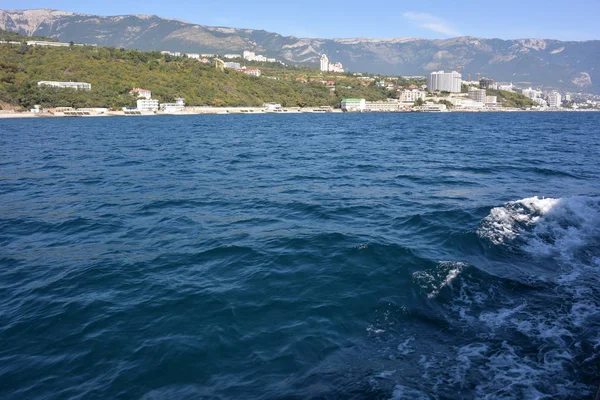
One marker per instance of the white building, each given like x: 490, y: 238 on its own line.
x: 410, y: 96
x: 430, y: 107
x: 251, y: 56
x: 466, y: 103
x: 441, y: 81
x: 272, y: 106
x: 233, y: 65
x: 354, y: 104
x: 379, y: 106
x: 231, y: 56
x: 194, y: 56
x: 324, y: 63
x: 508, y: 88
x: 250, y: 71
x: 93, y: 110
x: 478, y: 95
x: 70, y: 85
x: 554, y: 99
x: 139, y: 92
x: 205, y: 55
x: 337, y: 67
x: 43, y: 43
x: 178, y: 106
x: 147, y: 105
x: 532, y: 93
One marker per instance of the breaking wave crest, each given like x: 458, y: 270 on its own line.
x: 567, y: 229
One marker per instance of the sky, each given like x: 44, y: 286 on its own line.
x: 432, y: 19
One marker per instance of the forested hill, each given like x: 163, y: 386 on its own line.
x: 548, y: 63
x: 114, y: 72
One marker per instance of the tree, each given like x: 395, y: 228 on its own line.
x: 114, y: 72
x: 419, y: 102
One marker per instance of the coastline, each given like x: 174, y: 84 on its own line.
x: 253, y: 111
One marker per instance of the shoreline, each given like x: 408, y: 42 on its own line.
x: 256, y: 111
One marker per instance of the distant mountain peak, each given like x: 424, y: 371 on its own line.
x: 28, y: 21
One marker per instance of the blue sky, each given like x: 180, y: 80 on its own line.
x: 507, y: 19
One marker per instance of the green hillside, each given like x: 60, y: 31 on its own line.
x: 511, y: 99
x: 114, y: 72
x: 6, y: 36
x: 544, y: 63
x: 506, y: 98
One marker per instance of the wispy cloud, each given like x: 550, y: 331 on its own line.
x: 431, y: 22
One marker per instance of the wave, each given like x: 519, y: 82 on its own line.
x: 567, y: 229
x: 434, y: 281
x: 517, y: 340
x: 512, y: 342
x: 509, y: 221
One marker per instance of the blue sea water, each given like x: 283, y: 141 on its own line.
x: 379, y: 256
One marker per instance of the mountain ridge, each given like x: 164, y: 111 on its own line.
x: 568, y: 65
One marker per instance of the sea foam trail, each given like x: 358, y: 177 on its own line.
x: 566, y: 231
x: 507, y: 222
x: 561, y: 329
x: 566, y: 228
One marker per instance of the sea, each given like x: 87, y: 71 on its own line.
x: 307, y: 256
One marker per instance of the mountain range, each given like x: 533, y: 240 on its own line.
x: 567, y: 65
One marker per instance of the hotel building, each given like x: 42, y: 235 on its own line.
x: 441, y: 81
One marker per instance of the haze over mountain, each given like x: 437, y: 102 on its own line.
x: 568, y: 65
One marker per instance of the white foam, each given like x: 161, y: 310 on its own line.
x: 534, y: 345
x: 430, y: 280
x: 452, y: 274
x: 426, y: 364
x: 404, y: 348
x: 505, y: 223
x: 385, y: 374
x: 464, y: 358
x: 500, y: 317
x: 547, y: 227
x: 376, y: 331
x: 572, y: 224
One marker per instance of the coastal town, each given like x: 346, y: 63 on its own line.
x: 440, y: 91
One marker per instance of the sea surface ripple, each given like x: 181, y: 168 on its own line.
x: 379, y: 256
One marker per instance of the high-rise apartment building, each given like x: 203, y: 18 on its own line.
x: 441, y: 81
x: 324, y: 63
x: 554, y: 99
